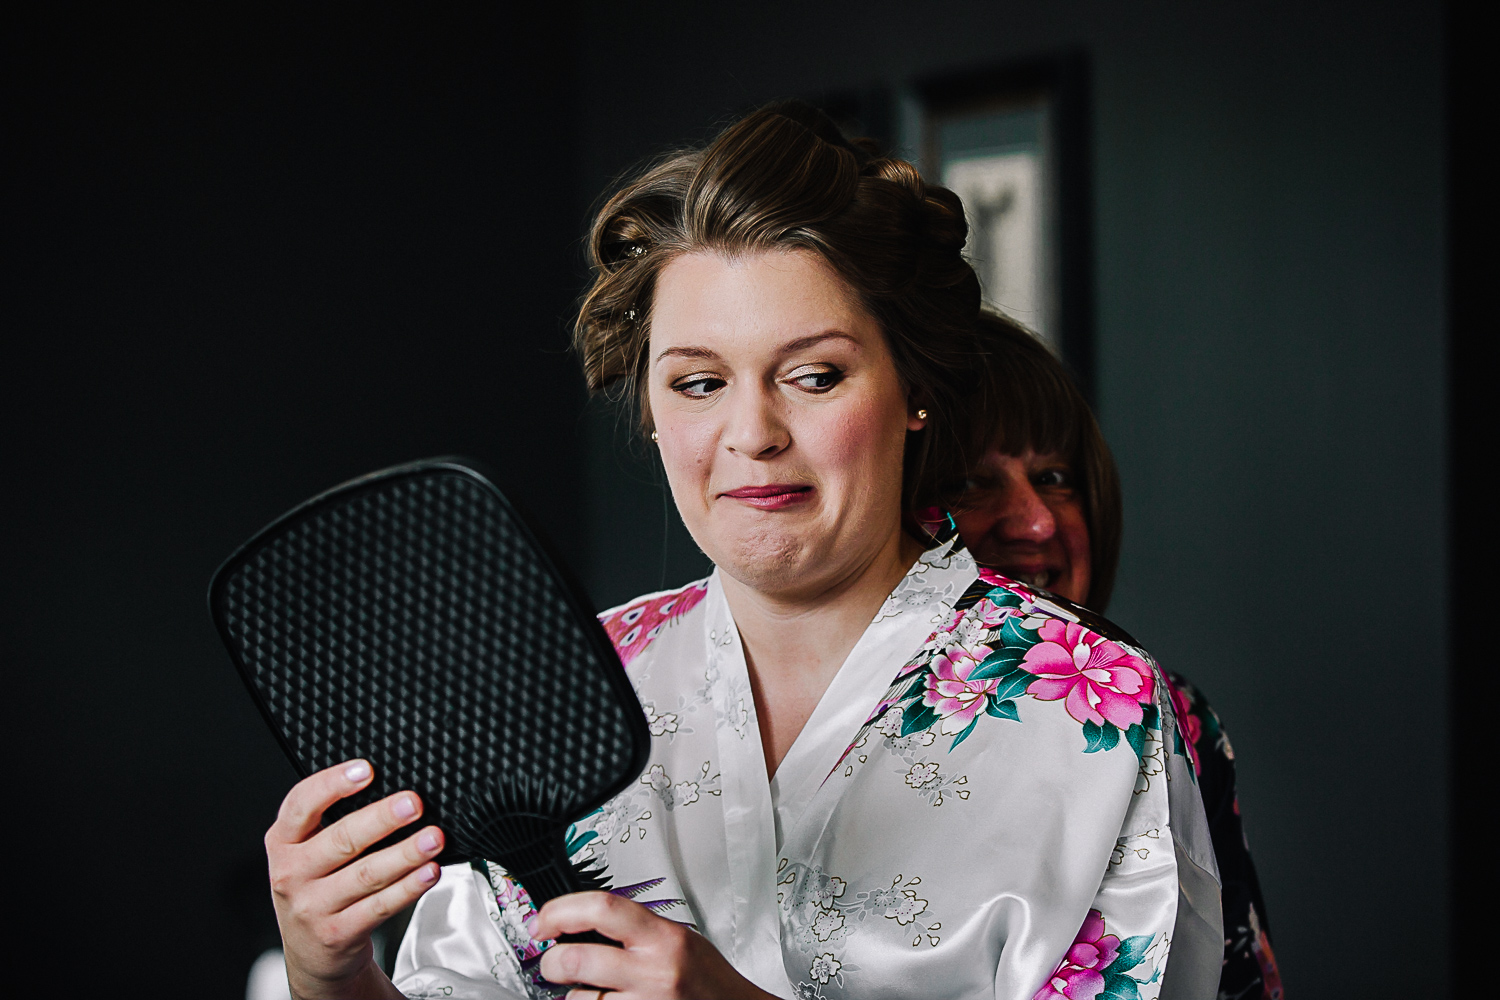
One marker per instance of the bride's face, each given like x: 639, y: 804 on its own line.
x: 780, y: 417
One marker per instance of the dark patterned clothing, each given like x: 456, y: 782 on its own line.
x: 1250, y: 971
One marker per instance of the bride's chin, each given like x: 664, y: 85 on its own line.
x: 769, y: 561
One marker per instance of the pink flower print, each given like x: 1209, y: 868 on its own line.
x: 1079, y: 976
x: 990, y: 613
x: 1192, y: 726
x: 994, y: 579
x: 515, y: 908
x: 963, y: 628
x: 632, y: 627
x: 1097, y: 680
x: 957, y: 699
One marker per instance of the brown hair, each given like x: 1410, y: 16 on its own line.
x: 1038, y: 406
x: 785, y: 178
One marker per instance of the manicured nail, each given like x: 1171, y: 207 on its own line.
x: 527, y: 923
x: 427, y: 842
x: 405, y: 807
x: 356, y: 772
x: 428, y: 873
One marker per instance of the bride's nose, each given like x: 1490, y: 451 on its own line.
x: 754, y: 428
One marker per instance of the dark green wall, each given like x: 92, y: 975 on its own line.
x: 1268, y: 183
x: 254, y: 251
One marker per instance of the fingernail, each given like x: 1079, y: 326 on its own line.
x: 427, y: 842
x: 528, y: 923
x: 356, y: 772
x: 405, y: 807
x: 429, y: 873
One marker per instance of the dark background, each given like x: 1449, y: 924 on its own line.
x: 255, y: 251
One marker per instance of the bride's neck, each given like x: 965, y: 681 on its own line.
x: 794, y: 646
x: 812, y: 632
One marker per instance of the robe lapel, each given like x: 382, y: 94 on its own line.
x: 918, y: 605
x: 760, y: 815
x: 749, y: 829
x: 861, y: 681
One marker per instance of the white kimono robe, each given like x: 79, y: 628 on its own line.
x: 978, y: 807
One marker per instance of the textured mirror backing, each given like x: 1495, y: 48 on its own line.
x: 412, y: 617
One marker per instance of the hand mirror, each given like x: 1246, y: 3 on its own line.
x: 412, y: 617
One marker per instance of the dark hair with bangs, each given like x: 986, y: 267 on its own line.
x: 1039, y: 407
x: 785, y: 178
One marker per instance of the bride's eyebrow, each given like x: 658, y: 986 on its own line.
x: 802, y: 343
x: 790, y: 347
x: 697, y: 353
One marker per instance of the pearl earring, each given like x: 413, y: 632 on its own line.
x: 653, y: 436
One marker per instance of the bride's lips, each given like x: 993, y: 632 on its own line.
x: 773, y: 496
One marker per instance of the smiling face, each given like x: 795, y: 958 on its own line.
x: 780, y: 418
x: 1023, y: 515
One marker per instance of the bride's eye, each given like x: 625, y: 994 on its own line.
x: 698, y: 386
x: 819, y: 379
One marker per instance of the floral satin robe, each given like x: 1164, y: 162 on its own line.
x: 1250, y: 970
x: 991, y: 799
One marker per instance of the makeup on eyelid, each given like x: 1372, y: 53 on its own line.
x: 827, y: 376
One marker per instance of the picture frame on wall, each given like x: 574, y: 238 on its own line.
x: 1012, y: 141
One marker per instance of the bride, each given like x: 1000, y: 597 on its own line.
x: 877, y: 770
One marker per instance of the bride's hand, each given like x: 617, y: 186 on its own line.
x: 327, y: 903
x: 659, y: 959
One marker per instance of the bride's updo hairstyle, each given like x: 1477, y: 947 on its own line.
x: 785, y: 178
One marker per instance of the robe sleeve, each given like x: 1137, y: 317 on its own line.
x: 1197, y: 950
x: 1250, y: 969
x: 453, y: 948
x: 1154, y: 929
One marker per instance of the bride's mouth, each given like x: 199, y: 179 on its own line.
x: 772, y: 496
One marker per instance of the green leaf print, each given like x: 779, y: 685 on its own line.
x: 1001, y: 661
x: 965, y: 734
x: 1012, y: 634
x: 1013, y: 686
x: 1001, y: 598
x: 1003, y: 710
x: 574, y: 841
x: 1120, y: 988
x: 1097, y: 737
x: 917, y: 717
x: 1132, y: 953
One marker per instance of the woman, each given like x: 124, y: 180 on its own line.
x: 876, y: 771
x: 1043, y: 507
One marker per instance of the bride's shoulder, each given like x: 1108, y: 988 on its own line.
x: 631, y: 626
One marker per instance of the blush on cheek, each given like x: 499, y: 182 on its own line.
x: 855, y: 437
